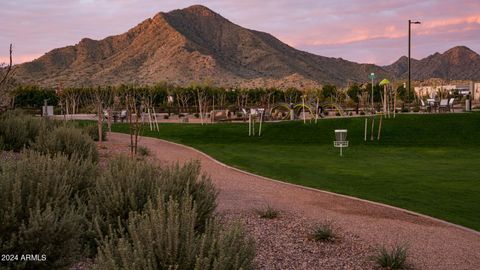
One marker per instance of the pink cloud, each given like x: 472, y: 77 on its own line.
x: 355, y: 30
x: 17, y: 59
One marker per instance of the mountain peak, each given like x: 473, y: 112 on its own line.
x: 198, y: 10
x: 459, y: 63
x: 459, y: 49
x: 460, y: 53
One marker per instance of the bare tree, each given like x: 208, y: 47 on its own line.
x: 69, y: 99
x: 102, y: 99
x: 265, y: 98
x: 183, y: 98
x: 222, y: 97
x: 242, y: 98
x: 202, y: 102
x: 133, y: 107
x: 6, y: 81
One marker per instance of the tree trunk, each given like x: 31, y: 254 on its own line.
x: 100, y: 122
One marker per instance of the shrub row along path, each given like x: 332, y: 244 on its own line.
x: 362, y: 225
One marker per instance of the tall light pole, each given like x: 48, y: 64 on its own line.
x: 372, y: 76
x: 409, y: 48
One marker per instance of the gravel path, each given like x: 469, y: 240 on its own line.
x: 361, y: 226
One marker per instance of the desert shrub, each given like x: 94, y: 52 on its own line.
x: 268, y: 212
x: 226, y: 248
x: 68, y: 141
x: 37, y: 179
x: 177, y: 181
x: 324, y: 232
x: 18, y: 131
x: 164, y: 237
x: 143, y: 151
x: 92, y: 132
x: 396, y: 258
x: 41, y: 207
x: 127, y: 185
x: 53, y: 232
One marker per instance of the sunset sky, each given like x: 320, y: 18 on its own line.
x: 356, y: 30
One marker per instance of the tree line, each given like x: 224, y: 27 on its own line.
x: 168, y: 98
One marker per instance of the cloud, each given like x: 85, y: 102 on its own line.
x: 365, y: 31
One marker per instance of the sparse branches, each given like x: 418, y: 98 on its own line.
x: 242, y: 98
x: 202, y: 102
x: 266, y: 97
x: 222, y: 97
x: 183, y: 95
x: 292, y: 95
x: 103, y: 100
x: 9, y: 68
x: 6, y: 81
x: 133, y: 99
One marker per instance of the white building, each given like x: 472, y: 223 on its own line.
x: 434, y: 91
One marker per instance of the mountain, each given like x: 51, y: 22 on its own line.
x: 189, y: 45
x: 198, y: 45
x: 458, y: 63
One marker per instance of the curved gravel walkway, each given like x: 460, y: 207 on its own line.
x: 363, y: 225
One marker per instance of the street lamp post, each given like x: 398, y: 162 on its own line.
x: 372, y: 76
x: 409, y: 49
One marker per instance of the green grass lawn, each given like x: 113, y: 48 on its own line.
x: 426, y: 163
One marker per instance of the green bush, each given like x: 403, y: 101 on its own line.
x: 392, y: 259
x: 268, y: 212
x: 34, y: 178
x: 68, y: 141
x: 92, y: 131
x: 164, y: 237
x: 229, y: 248
x: 34, y: 96
x: 177, y: 181
x: 143, y: 151
x: 19, y: 131
x: 127, y: 185
x: 41, y: 207
x: 53, y: 232
x: 324, y: 232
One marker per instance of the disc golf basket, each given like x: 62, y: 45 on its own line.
x: 340, y: 139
